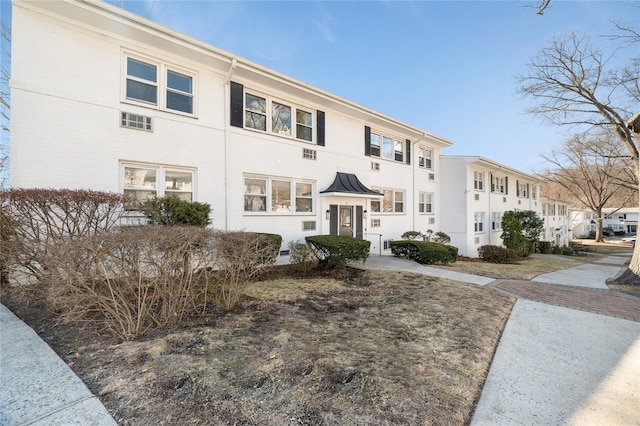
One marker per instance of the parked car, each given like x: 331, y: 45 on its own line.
x: 631, y: 239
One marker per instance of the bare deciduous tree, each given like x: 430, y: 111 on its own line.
x: 572, y: 84
x: 593, y: 173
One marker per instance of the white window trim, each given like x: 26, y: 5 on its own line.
x: 394, y: 140
x: 421, y: 202
x: 480, y: 222
x: 161, y: 170
x: 394, y: 191
x: 424, y: 158
x: 161, y: 84
x: 269, y: 100
x: 478, y: 180
x: 268, y: 196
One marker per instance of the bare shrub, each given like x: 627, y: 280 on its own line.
x: 39, y: 219
x: 240, y: 257
x: 132, y: 279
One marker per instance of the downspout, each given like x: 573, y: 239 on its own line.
x: 227, y: 128
x: 413, y: 181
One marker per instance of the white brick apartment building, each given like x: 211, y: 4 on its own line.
x: 476, y: 192
x: 106, y: 100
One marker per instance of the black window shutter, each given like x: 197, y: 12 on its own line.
x: 517, y: 188
x: 333, y: 219
x: 367, y: 141
x: 237, y: 104
x: 408, y: 151
x: 320, y: 127
x: 506, y: 185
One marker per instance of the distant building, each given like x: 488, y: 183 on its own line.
x: 476, y: 192
x: 557, y: 221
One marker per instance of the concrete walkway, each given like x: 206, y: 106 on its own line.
x: 36, y: 386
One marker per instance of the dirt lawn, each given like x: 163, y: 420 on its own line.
x: 351, y: 348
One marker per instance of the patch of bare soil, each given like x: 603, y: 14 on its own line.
x: 355, y: 348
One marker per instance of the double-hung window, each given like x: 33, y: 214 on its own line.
x: 142, y: 182
x: 478, y: 181
x: 179, y: 92
x: 496, y: 221
x: 163, y: 86
x: 425, y: 204
x: 388, y: 147
x: 424, y: 157
x: 478, y: 222
x: 267, y: 115
x: 277, y: 195
x: 142, y: 81
x: 392, y: 202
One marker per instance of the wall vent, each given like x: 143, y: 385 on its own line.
x: 284, y: 252
x: 136, y: 121
x: 504, y: 199
x: 375, y: 166
x: 432, y: 220
x: 432, y: 176
x: 477, y: 197
x: 477, y: 240
x: 309, y: 225
x: 309, y: 154
x: 519, y: 202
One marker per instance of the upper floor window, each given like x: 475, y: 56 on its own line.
x: 534, y: 192
x: 262, y: 113
x: 392, y: 202
x: 425, y: 158
x: 552, y: 209
x: 498, y: 184
x: 277, y: 195
x: 391, y: 148
x: 142, y: 182
x: 161, y: 85
x: 522, y: 190
x: 478, y: 181
x: 425, y: 204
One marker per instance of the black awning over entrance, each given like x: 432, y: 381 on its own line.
x: 348, y: 183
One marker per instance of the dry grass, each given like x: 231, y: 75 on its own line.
x: 605, y: 248
x: 380, y: 348
x: 523, y: 270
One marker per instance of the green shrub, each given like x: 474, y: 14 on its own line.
x: 172, y: 211
x: 301, y: 256
x: 336, y: 250
x: 543, y: 247
x: 442, y: 238
x: 563, y: 250
x: 497, y: 254
x: 411, y: 235
x: 271, y: 243
x: 424, y: 252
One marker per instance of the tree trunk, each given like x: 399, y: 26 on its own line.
x: 631, y: 276
x: 599, y: 234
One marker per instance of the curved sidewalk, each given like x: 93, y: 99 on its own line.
x: 36, y: 386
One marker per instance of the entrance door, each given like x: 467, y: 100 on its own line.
x: 346, y: 221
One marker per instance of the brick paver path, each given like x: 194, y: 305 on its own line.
x: 600, y: 301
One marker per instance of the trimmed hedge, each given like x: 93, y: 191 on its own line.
x: 543, y: 247
x: 273, y: 241
x: 497, y: 254
x: 425, y: 252
x: 336, y: 250
x: 172, y: 211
